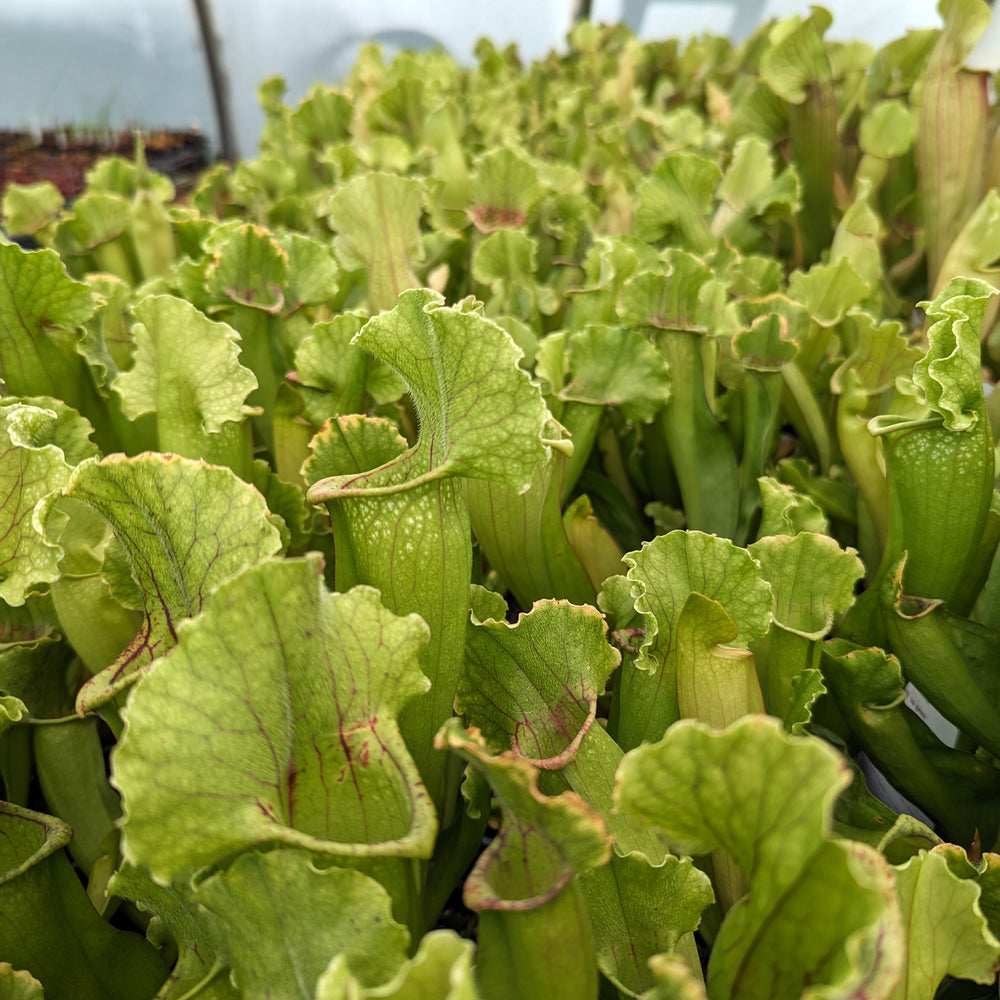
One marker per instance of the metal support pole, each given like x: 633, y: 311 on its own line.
x: 217, y: 80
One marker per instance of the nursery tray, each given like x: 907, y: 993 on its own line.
x: 63, y: 156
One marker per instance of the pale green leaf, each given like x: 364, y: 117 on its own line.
x: 951, y: 786
x: 505, y: 190
x: 249, y: 268
x: 594, y: 546
x: 897, y: 65
x: 964, y: 22
x: 776, y: 793
x: 679, y: 299
x: 68, y: 431
x: 523, y: 335
x: 670, y: 567
x: 796, y: 56
x: 812, y: 577
x: 28, y: 623
x: 551, y: 361
x: 35, y: 673
x: 675, y: 199
x: 98, y: 217
x: 946, y: 932
x: 480, y: 416
x: 274, y: 722
x: 673, y: 980
x: 608, y: 264
x: 442, y: 969
x: 716, y: 683
x: 377, y: 220
x: 764, y: 346
x: 400, y: 110
x: 639, y: 911
x: 352, y: 444
x: 881, y: 354
x: 116, y: 572
x: 80, y: 600
x: 663, y: 573
x: 507, y: 255
x: 286, y: 503
x: 18, y: 984
x: 887, y: 130
x: 505, y: 262
x: 12, y: 711
x: 949, y: 374
x: 543, y: 841
x: 192, y: 929
x: 985, y: 873
x: 186, y: 528
x: 813, y: 580
x: 806, y: 689
x: 336, y: 982
x: 321, y: 912
x: 32, y: 472
x: 858, y: 239
x: 41, y: 311
x: 323, y: 117
x: 755, y: 276
x: 975, y: 250
x: 533, y: 686
x: 335, y: 374
x: 391, y: 523
x: 952, y: 109
x: 613, y: 366
x: 750, y: 190
x: 27, y: 208
x: 861, y: 815
x: 126, y: 177
x: 186, y: 371
x: 542, y: 948
x: 785, y: 511
x: 313, y: 276
x: 486, y: 604
x: 828, y: 290
x: 750, y: 172
x: 664, y: 517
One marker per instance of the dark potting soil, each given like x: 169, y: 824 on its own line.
x: 64, y: 156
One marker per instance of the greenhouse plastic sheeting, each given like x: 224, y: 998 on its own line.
x: 875, y: 21
x: 102, y: 64
x: 117, y: 62
x: 309, y: 40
